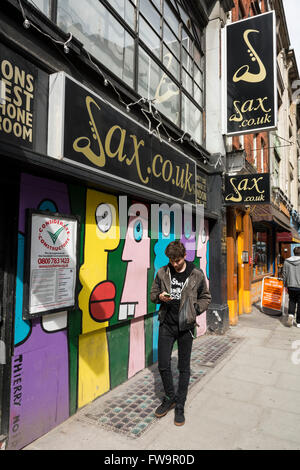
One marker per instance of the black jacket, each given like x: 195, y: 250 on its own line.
x: 195, y: 296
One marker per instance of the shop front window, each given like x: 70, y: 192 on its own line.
x: 43, y: 5
x: 260, y: 253
x: 154, y: 83
x: 154, y: 46
x: 101, y: 34
x: 151, y: 45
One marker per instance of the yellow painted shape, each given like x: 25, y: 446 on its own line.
x: 93, y: 367
x: 233, y: 314
x: 247, y: 301
x: 97, y: 245
x: 240, y: 273
x: 239, y: 223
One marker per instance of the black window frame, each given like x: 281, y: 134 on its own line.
x: 186, y: 25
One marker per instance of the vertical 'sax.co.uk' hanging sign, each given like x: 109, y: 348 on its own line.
x: 251, y: 91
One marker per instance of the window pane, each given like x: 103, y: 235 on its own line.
x: 184, y: 17
x: 101, y: 34
x: 171, y: 18
x: 152, y: 15
x: 171, y: 63
x: 156, y: 3
x: 187, y: 61
x: 191, y: 119
x: 149, y: 37
x: 187, y: 42
x: 171, y: 40
x: 197, y: 56
x: 198, y: 77
x: 150, y: 75
x: 187, y: 82
x: 42, y: 5
x: 126, y: 10
x: 260, y: 253
x: 155, y: 84
x: 198, y: 95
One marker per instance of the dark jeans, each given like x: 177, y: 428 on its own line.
x: 294, y: 301
x: 168, y: 334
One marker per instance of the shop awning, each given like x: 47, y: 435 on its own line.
x: 288, y: 237
x: 269, y: 213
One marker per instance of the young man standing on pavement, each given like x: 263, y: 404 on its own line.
x: 291, y: 278
x: 180, y: 289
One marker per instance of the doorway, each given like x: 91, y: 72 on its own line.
x: 9, y: 196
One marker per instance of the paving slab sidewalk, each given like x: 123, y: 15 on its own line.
x: 247, y: 399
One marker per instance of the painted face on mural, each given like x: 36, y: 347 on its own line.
x: 102, y: 304
x: 102, y: 235
x: 137, y: 253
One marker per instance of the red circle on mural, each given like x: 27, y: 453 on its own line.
x: 102, y: 303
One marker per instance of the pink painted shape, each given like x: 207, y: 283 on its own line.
x: 201, y: 253
x: 137, y: 254
x: 136, y: 347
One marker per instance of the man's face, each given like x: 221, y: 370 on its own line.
x: 178, y: 263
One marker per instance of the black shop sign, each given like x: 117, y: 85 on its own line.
x: 23, y: 102
x: 251, y: 90
x: 247, y: 189
x: 99, y: 136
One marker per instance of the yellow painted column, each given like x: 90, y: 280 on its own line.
x: 231, y: 274
x: 93, y: 367
x: 102, y: 234
x: 247, y: 247
x: 240, y: 243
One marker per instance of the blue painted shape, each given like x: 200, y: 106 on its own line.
x: 48, y: 206
x: 207, y: 260
x: 22, y: 327
x: 160, y: 260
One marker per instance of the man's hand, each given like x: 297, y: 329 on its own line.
x: 164, y: 297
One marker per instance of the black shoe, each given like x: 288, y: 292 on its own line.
x: 179, y: 415
x: 166, y: 405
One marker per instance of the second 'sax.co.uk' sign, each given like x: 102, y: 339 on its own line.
x: 23, y: 101
x: 247, y: 189
x: 97, y: 135
x: 251, y: 91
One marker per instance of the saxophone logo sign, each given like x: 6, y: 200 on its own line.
x: 111, y: 143
x: 247, y: 189
x: 247, y: 76
x: 251, y: 76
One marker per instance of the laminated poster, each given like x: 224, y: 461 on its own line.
x: 53, y: 263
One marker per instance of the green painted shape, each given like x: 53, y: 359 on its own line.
x: 77, y: 196
x: 151, y: 272
x: 118, y: 345
x: 148, y: 324
x: 116, y: 273
x: 151, y: 308
x: 117, y: 332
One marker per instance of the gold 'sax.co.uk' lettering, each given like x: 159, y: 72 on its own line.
x: 250, y: 106
x: 179, y: 176
x: 246, y: 184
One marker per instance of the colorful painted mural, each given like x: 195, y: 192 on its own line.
x: 65, y: 360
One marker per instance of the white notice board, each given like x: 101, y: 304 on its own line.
x: 52, y: 263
